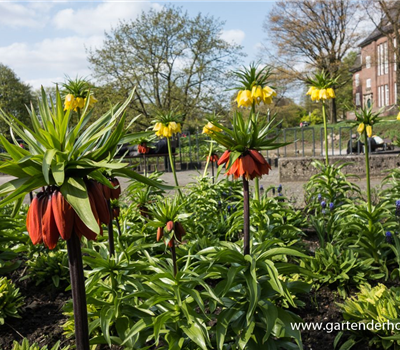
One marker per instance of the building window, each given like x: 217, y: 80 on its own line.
x: 357, y: 80
x: 386, y: 95
x: 368, y: 84
x: 379, y: 59
x: 386, y: 58
x: 368, y: 62
x: 358, y: 100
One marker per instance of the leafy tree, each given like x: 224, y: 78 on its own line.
x: 312, y: 33
x: 14, y: 97
x: 177, y: 62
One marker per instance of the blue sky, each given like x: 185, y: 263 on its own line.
x: 44, y: 41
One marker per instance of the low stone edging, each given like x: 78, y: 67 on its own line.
x: 300, y: 169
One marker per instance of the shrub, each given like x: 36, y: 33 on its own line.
x: 25, y: 346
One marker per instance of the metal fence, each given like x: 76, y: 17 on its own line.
x: 191, y: 149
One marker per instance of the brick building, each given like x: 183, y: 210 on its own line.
x: 374, y: 74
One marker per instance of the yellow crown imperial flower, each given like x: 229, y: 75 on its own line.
x: 210, y: 127
x: 310, y: 90
x: 268, y: 94
x: 360, y: 128
x: 398, y: 116
x: 257, y: 93
x: 315, y: 95
x: 369, y: 130
x: 80, y: 103
x: 323, y: 94
x: 244, y: 98
x: 69, y: 102
x: 331, y: 93
x: 92, y: 101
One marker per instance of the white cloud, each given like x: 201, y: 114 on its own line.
x: 15, y: 15
x: 94, y: 20
x: 233, y: 35
x: 50, y: 57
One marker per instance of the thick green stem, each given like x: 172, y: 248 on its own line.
x: 246, y: 214
x: 111, y: 247
x: 208, y: 160
x: 256, y: 180
x: 366, y: 152
x: 78, y: 292
x: 173, y: 254
x: 325, y: 133
x: 173, y: 166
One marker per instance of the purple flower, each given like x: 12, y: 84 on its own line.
x: 319, y: 197
x: 323, y: 204
x: 389, y: 237
x: 397, y: 208
x: 331, y: 206
x: 279, y: 188
x: 261, y: 188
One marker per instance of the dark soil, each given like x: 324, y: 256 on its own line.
x: 41, y: 316
x: 321, y: 308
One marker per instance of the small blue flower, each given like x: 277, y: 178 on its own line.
x: 229, y: 208
x: 319, y: 197
x: 323, y: 204
x: 397, y: 213
x: 261, y: 188
x: 273, y: 191
x: 279, y: 188
x: 280, y: 194
x: 389, y: 237
x: 331, y: 206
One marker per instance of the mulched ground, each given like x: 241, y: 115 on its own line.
x: 41, y: 316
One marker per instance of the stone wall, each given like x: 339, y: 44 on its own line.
x: 300, y: 169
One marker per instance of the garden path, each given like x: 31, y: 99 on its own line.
x: 294, y: 191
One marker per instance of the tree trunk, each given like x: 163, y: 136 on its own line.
x: 333, y: 111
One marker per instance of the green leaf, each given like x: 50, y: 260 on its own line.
x: 196, y: 333
x: 47, y: 160
x: 137, y: 327
x: 75, y: 192
x: 58, y: 171
x: 223, y: 320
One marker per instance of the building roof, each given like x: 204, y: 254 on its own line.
x: 357, y: 64
x: 384, y: 26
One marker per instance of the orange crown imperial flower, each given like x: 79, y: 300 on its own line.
x: 213, y: 158
x: 250, y: 165
x: 50, y: 216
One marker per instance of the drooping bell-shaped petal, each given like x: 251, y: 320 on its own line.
x: 34, y: 219
x: 331, y: 93
x: 179, y: 231
x: 368, y: 129
x: 323, y: 95
x: 224, y: 158
x: 315, y: 95
x: 257, y: 156
x: 95, y: 189
x: 245, y: 99
x: 310, y: 90
x: 49, y: 227
x: 160, y: 233
x: 360, y: 128
x: 250, y: 168
x: 257, y: 93
x: 268, y: 92
x: 170, y: 226
x: 116, y: 191
x: 63, y: 215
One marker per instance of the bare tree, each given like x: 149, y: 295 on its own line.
x: 312, y: 34
x: 386, y: 17
x: 175, y: 61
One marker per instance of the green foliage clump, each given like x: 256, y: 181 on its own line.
x: 10, y: 300
x: 26, y: 346
x: 313, y: 118
x: 338, y: 267
x: 374, y: 304
x: 52, y: 265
